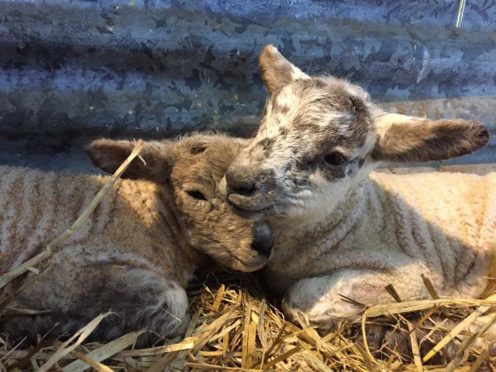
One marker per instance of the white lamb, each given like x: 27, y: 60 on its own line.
x: 339, y: 231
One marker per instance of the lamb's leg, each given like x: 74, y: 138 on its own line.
x: 321, y: 299
x: 142, y: 299
x: 138, y: 298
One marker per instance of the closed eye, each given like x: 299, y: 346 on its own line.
x: 335, y: 158
x: 196, y: 194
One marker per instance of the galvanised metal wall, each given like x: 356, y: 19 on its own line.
x: 73, y: 69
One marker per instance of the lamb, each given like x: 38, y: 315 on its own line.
x: 340, y: 230
x: 141, y: 246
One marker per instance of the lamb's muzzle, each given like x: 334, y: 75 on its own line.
x: 240, y: 181
x: 249, y: 189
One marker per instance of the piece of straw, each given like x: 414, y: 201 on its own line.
x: 415, y: 348
x: 164, y: 361
x: 73, y: 342
x: 458, y: 328
x: 88, y: 362
x: 102, y: 353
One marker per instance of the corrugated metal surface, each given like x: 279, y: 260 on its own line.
x: 72, y: 69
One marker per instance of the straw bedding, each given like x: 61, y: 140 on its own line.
x: 234, y: 327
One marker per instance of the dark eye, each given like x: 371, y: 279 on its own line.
x: 335, y: 158
x: 196, y: 194
x: 198, y: 149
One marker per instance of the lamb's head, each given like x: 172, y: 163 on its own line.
x: 319, y: 136
x: 189, y: 172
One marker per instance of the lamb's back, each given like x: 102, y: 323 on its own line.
x: 459, y: 205
x: 126, y: 228
x: 37, y: 206
x: 447, y: 220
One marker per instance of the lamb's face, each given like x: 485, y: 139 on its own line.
x: 312, y: 145
x: 320, y: 136
x: 213, y: 225
x: 191, y: 171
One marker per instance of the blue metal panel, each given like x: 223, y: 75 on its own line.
x: 149, y: 68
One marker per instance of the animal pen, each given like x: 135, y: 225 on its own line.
x: 74, y: 71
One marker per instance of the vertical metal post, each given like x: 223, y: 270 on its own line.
x: 459, y: 16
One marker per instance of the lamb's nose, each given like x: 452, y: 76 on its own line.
x: 262, y: 240
x: 240, y: 181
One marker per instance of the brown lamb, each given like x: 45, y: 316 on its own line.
x: 138, y: 250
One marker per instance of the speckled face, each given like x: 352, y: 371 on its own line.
x: 318, y: 125
x: 313, y: 132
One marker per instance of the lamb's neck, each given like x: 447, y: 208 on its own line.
x: 170, y: 221
x: 315, y: 232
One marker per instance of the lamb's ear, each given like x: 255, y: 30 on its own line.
x: 276, y: 70
x: 407, y: 138
x: 154, y: 162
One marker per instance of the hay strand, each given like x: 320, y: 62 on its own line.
x: 73, y: 342
x: 459, y: 328
x: 93, y: 358
x: 220, y: 340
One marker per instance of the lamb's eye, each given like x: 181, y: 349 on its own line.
x: 196, y: 194
x: 335, y: 158
x: 198, y: 149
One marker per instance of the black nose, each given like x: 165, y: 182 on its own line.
x: 240, y: 182
x: 262, y: 240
